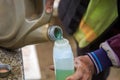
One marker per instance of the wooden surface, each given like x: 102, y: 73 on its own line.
x: 45, y: 60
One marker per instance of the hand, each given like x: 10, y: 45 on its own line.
x: 51, y: 67
x: 49, y: 6
x: 84, y: 69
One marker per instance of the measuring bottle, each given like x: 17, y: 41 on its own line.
x: 63, y: 59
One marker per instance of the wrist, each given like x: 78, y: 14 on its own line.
x: 91, y: 64
x: 87, y: 61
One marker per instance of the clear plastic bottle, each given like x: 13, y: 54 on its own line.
x: 63, y: 59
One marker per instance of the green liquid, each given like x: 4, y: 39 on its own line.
x: 58, y: 34
x: 63, y: 74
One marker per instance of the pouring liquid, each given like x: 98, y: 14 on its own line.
x: 63, y: 59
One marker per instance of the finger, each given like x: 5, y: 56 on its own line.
x: 76, y: 62
x: 86, y: 77
x: 76, y: 76
x: 51, y: 67
x: 49, y: 6
x: 87, y: 74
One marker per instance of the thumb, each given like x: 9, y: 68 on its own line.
x: 76, y: 76
x: 51, y: 67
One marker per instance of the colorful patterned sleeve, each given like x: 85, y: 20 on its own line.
x: 108, y: 55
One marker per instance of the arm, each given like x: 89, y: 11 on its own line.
x: 108, y: 54
x: 95, y: 62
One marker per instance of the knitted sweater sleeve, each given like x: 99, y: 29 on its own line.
x: 108, y: 55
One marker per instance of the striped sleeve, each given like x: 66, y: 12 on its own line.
x: 108, y: 55
x: 100, y: 59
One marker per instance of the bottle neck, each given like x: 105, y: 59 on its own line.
x: 55, y: 33
x: 62, y: 43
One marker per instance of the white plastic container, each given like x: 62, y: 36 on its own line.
x: 63, y: 59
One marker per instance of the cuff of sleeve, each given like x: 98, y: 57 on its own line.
x: 100, y: 60
x: 111, y: 54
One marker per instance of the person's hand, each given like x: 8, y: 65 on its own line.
x: 84, y: 69
x: 49, y: 6
x: 51, y: 67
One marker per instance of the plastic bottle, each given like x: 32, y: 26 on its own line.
x: 63, y: 59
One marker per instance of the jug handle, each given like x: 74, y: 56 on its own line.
x: 43, y: 19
